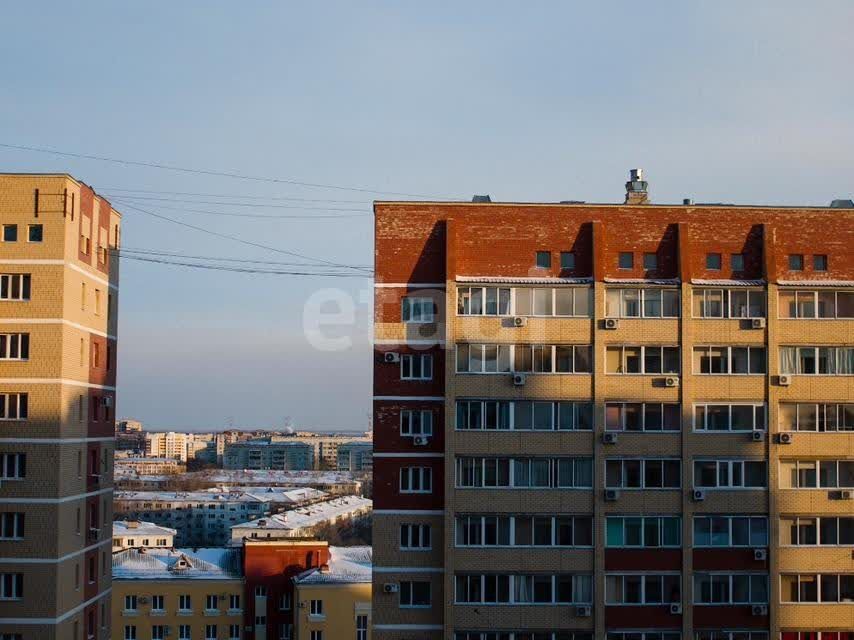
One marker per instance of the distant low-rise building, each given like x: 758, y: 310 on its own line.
x: 339, y: 483
x: 178, y: 594
x: 303, y: 522
x: 146, y: 466
x: 267, y: 453
x: 334, y: 600
x: 355, y: 456
x: 133, y: 534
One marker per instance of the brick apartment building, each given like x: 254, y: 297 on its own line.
x: 58, y: 302
x: 628, y: 421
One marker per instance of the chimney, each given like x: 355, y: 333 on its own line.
x: 636, y: 188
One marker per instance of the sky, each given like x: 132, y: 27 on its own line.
x: 539, y: 101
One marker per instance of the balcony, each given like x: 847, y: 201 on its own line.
x: 211, y: 612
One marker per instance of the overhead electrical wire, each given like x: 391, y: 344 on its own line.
x: 175, y: 254
x: 235, y: 269
x: 270, y: 216
x: 210, y: 172
x: 116, y: 190
x: 256, y: 205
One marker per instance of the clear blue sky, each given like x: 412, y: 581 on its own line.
x: 726, y: 101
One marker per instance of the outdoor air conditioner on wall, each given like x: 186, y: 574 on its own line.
x: 520, y: 321
x: 612, y: 495
x: 757, y: 436
x: 584, y: 611
x: 676, y: 609
x: 612, y: 323
x: 671, y: 381
x: 757, y: 323
x: 609, y: 437
x: 698, y: 495
x: 785, y: 438
x: 519, y: 379
x: 760, y: 555
x: 759, y: 610
x: 784, y: 380
x: 390, y: 587
x: 392, y: 356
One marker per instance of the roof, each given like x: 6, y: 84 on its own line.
x: 346, y: 565
x: 510, y: 280
x: 722, y: 282
x: 177, y: 564
x: 580, y: 204
x: 309, y: 516
x: 226, y: 494
x: 123, y: 528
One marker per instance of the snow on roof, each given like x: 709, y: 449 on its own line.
x: 346, y: 564
x: 177, y: 564
x: 226, y: 494
x: 309, y: 516
x: 723, y: 282
x: 816, y: 283
x: 249, y: 476
x: 661, y: 281
x: 140, y: 528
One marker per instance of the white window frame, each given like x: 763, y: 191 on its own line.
x: 510, y: 358
x: 424, y: 365
x: 814, y: 293
x: 130, y: 599
x: 415, y: 532
x: 821, y: 409
x: 158, y: 632
x: 818, y: 575
x: 14, y: 338
x: 14, y: 522
x: 644, y: 577
x: 211, y: 632
x: 643, y: 414
x: 727, y: 302
x: 818, y: 520
x: 425, y: 479
x: 185, y: 632
x: 361, y: 627
x: 817, y: 471
x: 643, y: 518
x: 24, y: 286
x: 461, y: 521
x: 554, y: 482
x: 730, y: 462
x: 643, y: 462
x: 11, y: 585
x: 729, y: 359
x: 643, y: 349
x: 412, y: 418
x: 185, y: 602
x: 704, y: 428
x: 315, y: 609
x: 508, y: 408
x: 577, y: 581
x: 10, y: 399
x: 209, y: 598
x: 155, y: 600
x: 11, y: 465
x: 468, y: 290
x: 730, y: 540
x: 130, y: 632
x: 838, y: 357
x: 730, y: 575
x: 641, y: 302
x: 418, y: 310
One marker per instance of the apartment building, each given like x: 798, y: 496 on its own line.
x: 269, y: 453
x: 628, y: 421
x: 133, y: 534
x: 355, y: 456
x: 305, y: 522
x: 133, y: 465
x: 58, y: 310
x: 181, y: 594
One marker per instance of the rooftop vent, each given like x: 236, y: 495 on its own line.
x: 483, y: 198
x: 636, y: 192
x: 687, y: 201
x: 132, y: 524
x: 842, y: 204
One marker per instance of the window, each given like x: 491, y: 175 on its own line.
x: 729, y: 417
x: 643, y: 473
x: 815, y: 635
x: 544, y: 260
x: 315, y: 608
x: 819, y: 262
x: 11, y: 586
x: 157, y: 603
x: 130, y: 632
x: 730, y: 531
x: 14, y: 346
x: 626, y: 260
x: 416, y: 480
x: 185, y: 602
x: 35, y: 233
x: 316, y: 634
x: 10, y: 233
x: 817, y: 474
x: 642, y: 303
x: 730, y: 474
x: 157, y: 632
x: 11, y: 526
x: 643, y: 531
x: 415, y: 422
x: 524, y: 473
x: 641, y: 360
x: 729, y: 303
x: 650, y: 261
x: 818, y: 303
x: 211, y: 602
x: 184, y: 632
x: 796, y: 262
x: 567, y: 260
x: 547, y: 302
x: 15, y: 286
x: 234, y: 601
x: 524, y: 415
x: 716, y: 360
x: 130, y: 603
x: 736, y: 262
x: 418, y: 310
x: 713, y: 261
x: 523, y: 531
x: 827, y: 587
x: 483, y: 358
x: 415, y: 593
x: 286, y: 631
x: 639, y: 416
x: 97, y: 302
x: 362, y: 627
x: 488, y: 301
x: 817, y: 531
x: 415, y: 537
x: 726, y: 588
x: 210, y: 632
x: 821, y: 361
x: 13, y: 466
x: 642, y: 589
x: 524, y: 589
x: 653, y: 635
x: 527, y: 358
x: 286, y: 601
x: 416, y: 367
x: 821, y: 418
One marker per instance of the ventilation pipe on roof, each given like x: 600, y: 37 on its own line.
x: 481, y: 199
x: 636, y: 192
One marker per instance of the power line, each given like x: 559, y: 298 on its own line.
x: 241, y: 240
x: 175, y: 254
x: 246, y: 269
x: 115, y: 190
x: 124, y: 203
x: 209, y: 172
x: 255, y: 205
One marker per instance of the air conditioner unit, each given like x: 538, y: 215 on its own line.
x: 609, y: 437
x: 106, y: 401
x: 420, y: 440
x: 519, y: 379
x: 698, y: 495
x: 392, y: 356
x: 757, y: 436
x: 520, y: 321
x: 845, y: 495
x: 757, y: 323
x: 584, y: 611
x: 676, y: 609
x: 612, y: 323
x: 759, y: 610
x: 391, y: 587
x: 760, y: 554
x: 784, y: 380
x: 785, y: 438
x: 612, y: 495
x: 671, y: 381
